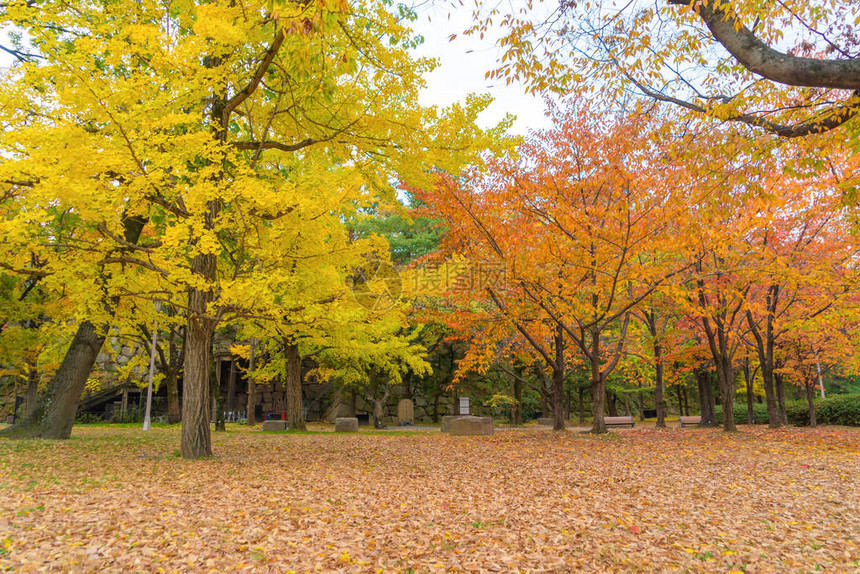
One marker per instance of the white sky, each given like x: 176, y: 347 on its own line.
x: 463, y: 63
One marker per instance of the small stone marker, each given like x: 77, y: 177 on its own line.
x: 405, y: 412
x: 447, y: 420
x: 471, y: 426
x: 546, y: 421
x: 274, y: 425
x: 346, y: 424
x: 464, y: 405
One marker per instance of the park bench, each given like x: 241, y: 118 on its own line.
x: 618, y: 422
x: 690, y: 421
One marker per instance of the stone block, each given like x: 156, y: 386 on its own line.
x: 471, y: 426
x: 447, y: 420
x: 405, y: 412
x: 546, y: 421
x: 346, y: 424
x: 274, y: 425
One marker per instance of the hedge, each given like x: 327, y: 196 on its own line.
x: 836, y: 410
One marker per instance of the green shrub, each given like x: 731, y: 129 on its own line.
x: 759, y: 411
x: 835, y: 410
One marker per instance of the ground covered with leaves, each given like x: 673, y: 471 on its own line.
x: 114, y: 499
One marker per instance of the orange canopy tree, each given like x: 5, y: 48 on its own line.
x: 583, y: 218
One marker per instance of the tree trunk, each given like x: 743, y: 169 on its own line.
x: 174, y: 412
x: 780, y: 397
x: 53, y: 414
x: 581, y: 405
x: 517, y: 408
x: 659, y: 404
x: 231, y: 386
x: 32, y: 392
x: 727, y: 392
x: 706, y: 405
x: 557, y: 399
x: 379, y: 408
x: 217, y: 396
x: 196, y: 440
x: 810, y: 396
x: 610, y: 404
x: 251, y: 406
x: 748, y: 378
x: 293, y: 373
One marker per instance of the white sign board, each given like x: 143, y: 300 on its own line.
x: 464, y: 405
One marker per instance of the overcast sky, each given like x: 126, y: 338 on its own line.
x: 464, y: 61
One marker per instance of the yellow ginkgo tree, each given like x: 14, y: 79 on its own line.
x: 194, y: 152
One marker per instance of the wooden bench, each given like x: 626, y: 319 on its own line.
x: 618, y: 422
x: 690, y: 421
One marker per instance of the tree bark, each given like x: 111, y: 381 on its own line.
x: 251, y: 406
x: 610, y: 404
x: 293, y: 374
x: 659, y: 403
x: 53, y: 414
x: 517, y: 408
x: 706, y: 404
x: 779, y: 383
x: 32, y: 391
x: 558, y: 381
x: 598, y: 386
x: 581, y: 405
x: 748, y: 378
x: 810, y: 400
x: 196, y: 440
x: 215, y: 375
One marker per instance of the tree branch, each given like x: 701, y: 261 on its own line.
x: 774, y: 65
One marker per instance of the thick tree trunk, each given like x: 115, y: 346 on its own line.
x: 379, y: 408
x: 196, y: 440
x: 293, y: 373
x: 769, y: 395
x: 810, y: 400
x: 779, y: 383
x: 727, y: 391
x: 251, y: 406
x: 598, y: 386
x: 557, y: 399
x: 598, y: 397
x: 53, y: 415
x: 32, y: 392
x: 64, y: 392
x: 174, y: 412
x: 706, y: 404
x: 54, y: 412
